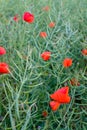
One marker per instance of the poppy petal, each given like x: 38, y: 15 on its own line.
x: 43, y: 34
x: 4, y: 68
x: 28, y: 17
x: 46, y: 55
x: 51, y: 24
x: 67, y: 62
x: 61, y: 98
x: 16, y: 18
x: 45, y: 113
x: 63, y: 90
x: 84, y: 52
x: 2, y: 50
x: 54, y: 105
x: 61, y: 95
x: 46, y: 8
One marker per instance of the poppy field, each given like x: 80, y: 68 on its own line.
x: 43, y: 65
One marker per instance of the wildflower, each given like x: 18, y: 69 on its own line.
x: 43, y: 34
x: 46, y: 8
x: 2, y: 50
x: 74, y: 82
x: 45, y: 113
x: 39, y: 128
x: 84, y: 52
x: 4, y: 68
x: 60, y: 97
x: 16, y: 18
x: 51, y: 24
x: 28, y: 17
x: 46, y: 55
x: 67, y: 62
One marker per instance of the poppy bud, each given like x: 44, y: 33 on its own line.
x: 84, y: 52
x: 51, y: 24
x: 16, y: 18
x: 43, y: 34
x: 2, y: 50
x: 45, y: 113
x: 46, y: 8
x: 46, y: 55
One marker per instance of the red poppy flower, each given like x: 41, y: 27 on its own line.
x: 60, y: 97
x: 46, y: 55
x: 28, y: 17
x: 51, y: 24
x: 44, y: 113
x: 4, y: 68
x: 67, y: 62
x: 43, y: 34
x: 84, y: 52
x: 46, y: 8
x: 74, y: 82
x: 16, y: 18
x: 2, y: 50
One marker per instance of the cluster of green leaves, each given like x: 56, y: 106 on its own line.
x: 24, y: 94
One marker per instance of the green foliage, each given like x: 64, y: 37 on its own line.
x: 24, y: 94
